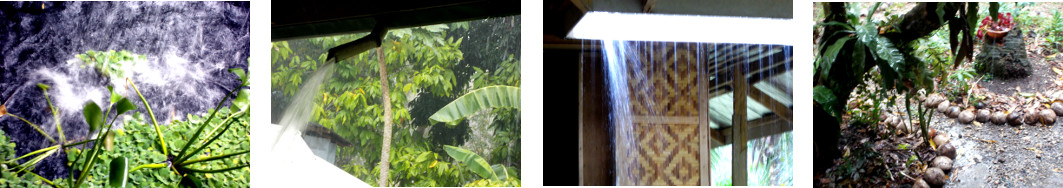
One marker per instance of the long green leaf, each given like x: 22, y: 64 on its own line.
x: 119, y: 171
x: 476, y: 100
x: 55, y: 112
x: 474, y: 162
x: 828, y: 57
x: 161, y: 141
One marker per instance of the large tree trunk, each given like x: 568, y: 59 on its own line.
x: 826, y: 127
x: 386, y: 146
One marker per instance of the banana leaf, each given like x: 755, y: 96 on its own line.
x: 476, y: 100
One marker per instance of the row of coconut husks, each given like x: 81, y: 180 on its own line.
x: 1028, y: 108
x: 988, y: 108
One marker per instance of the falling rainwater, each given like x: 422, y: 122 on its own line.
x: 298, y: 112
x: 635, y: 98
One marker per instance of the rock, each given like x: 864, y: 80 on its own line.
x: 1058, y: 108
x: 998, y: 118
x: 934, y: 176
x: 1015, y: 118
x: 920, y: 184
x: 1030, y: 116
x: 966, y: 117
x: 953, y: 112
x: 947, y: 150
x: 1004, y: 61
x: 942, y: 162
x: 982, y: 116
x: 943, y: 106
x: 941, y: 140
x: 1048, y: 117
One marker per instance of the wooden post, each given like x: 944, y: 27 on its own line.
x: 738, y: 154
x: 703, y: 124
x: 386, y: 146
x: 581, y: 121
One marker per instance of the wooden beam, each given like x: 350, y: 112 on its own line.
x: 558, y: 43
x: 780, y: 109
x: 759, y: 128
x: 765, y: 127
x: 722, y: 88
x: 738, y: 155
x: 703, y: 125
x: 756, y: 71
x: 582, y: 6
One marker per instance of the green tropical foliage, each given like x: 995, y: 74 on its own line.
x: 856, y: 47
x: 427, y: 68
x: 111, y: 63
x: 479, y: 99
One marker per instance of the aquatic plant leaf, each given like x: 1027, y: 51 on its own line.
x: 474, y: 162
x: 115, y: 97
x: 43, y: 86
x: 119, y: 171
x: 241, y: 102
x: 240, y: 73
x: 93, y: 115
x: 124, y: 105
x: 476, y: 100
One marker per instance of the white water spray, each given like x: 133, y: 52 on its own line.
x: 298, y: 112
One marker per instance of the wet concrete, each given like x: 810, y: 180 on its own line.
x: 189, y: 48
x: 990, y: 155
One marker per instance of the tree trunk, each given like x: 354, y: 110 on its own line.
x: 386, y: 146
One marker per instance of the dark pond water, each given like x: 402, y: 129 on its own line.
x: 189, y: 48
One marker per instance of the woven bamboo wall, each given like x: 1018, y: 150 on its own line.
x: 663, y: 84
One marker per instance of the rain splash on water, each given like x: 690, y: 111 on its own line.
x: 188, y: 48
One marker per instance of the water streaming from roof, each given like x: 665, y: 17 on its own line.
x: 628, y: 61
x: 299, y: 111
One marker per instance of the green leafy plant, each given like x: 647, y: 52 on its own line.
x: 114, y: 64
x: 957, y: 83
x: 483, y: 98
x: 492, y: 175
x: 1053, y: 32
